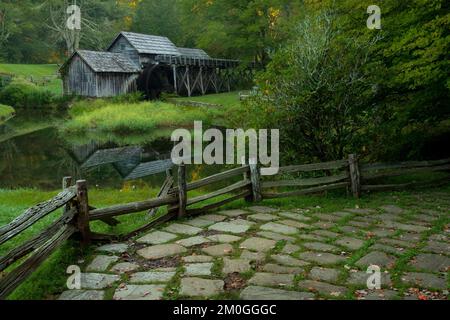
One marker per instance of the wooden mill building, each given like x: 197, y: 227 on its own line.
x: 150, y: 64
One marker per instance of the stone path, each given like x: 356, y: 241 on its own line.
x: 269, y: 254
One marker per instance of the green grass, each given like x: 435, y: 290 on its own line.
x: 227, y: 99
x: 108, y: 118
x: 38, y: 72
x: 51, y: 276
x: 6, y: 112
x: 49, y: 279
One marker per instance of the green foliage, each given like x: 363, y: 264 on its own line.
x: 318, y: 104
x: 23, y: 94
x: 132, y: 118
x: 6, y: 111
x: 159, y: 18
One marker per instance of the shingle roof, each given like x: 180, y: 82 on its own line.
x: 149, y: 44
x: 108, y: 62
x: 193, y: 53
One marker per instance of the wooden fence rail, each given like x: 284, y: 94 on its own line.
x: 78, y: 213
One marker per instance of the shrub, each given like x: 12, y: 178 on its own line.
x: 6, y: 112
x: 23, y: 94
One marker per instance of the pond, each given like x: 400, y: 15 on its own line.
x: 42, y: 157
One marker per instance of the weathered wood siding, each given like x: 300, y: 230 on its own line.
x: 80, y: 79
x: 123, y: 46
x: 113, y: 84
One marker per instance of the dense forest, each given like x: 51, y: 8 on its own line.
x: 330, y: 83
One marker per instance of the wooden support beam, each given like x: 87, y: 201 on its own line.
x: 83, y: 211
x: 255, y: 176
x: 66, y: 182
x: 355, y: 176
x: 175, y: 83
x: 202, y: 85
x: 182, y: 191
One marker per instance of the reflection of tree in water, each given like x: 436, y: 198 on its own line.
x: 8, y: 152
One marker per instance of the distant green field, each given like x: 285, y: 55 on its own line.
x: 227, y: 99
x: 37, y: 72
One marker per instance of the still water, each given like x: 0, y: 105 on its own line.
x: 41, y: 159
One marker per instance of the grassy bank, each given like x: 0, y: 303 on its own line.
x: 6, y: 112
x: 227, y: 99
x: 108, y: 117
x: 50, y: 278
x: 38, y: 72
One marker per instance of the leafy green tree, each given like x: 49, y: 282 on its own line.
x: 158, y: 18
x: 316, y: 91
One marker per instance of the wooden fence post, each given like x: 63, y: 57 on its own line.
x: 66, y: 182
x: 83, y: 212
x: 182, y: 190
x: 355, y: 176
x: 255, y: 177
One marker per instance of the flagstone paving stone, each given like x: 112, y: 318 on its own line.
x: 229, y: 227
x: 276, y: 236
x: 323, y: 258
x: 197, y: 287
x: 224, y: 238
x: 139, y: 292
x: 270, y: 253
x: 219, y: 250
x: 387, y: 249
x: 272, y: 279
x: 86, y: 295
x: 324, y: 274
x: 258, y: 244
x: 279, y: 228
x: 101, y: 263
x: 157, y: 237
x: 318, y: 246
x: 392, y: 209
x: 262, y: 209
x: 290, y: 248
x: 161, y: 251
x: 275, y: 268
x: 295, y: 224
x: 236, y: 265
x: 359, y: 278
x: 322, y: 288
x: 124, y: 267
x: 114, y: 248
x: 350, y: 243
x: 253, y: 256
x: 263, y: 217
x: 198, y: 269
x: 379, y: 295
x: 199, y: 222
x: 194, y: 241
x: 264, y: 293
x: 151, y: 277
x: 233, y: 213
x: 377, y: 258
x: 425, y: 280
x: 430, y: 262
x: 214, y: 217
x: 326, y: 233
x: 197, y: 258
x: 294, y: 216
x: 437, y: 247
x: 183, y: 229
x: 288, y: 260
x: 97, y: 280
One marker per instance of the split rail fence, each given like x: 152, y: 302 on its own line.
x: 77, y: 212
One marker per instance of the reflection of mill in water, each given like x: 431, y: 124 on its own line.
x: 132, y: 162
